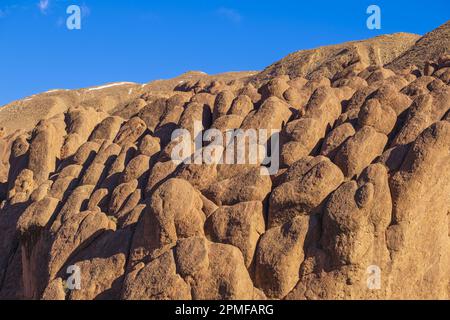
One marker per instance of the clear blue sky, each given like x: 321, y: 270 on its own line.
x: 144, y: 40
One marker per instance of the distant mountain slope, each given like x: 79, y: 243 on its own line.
x: 26, y: 113
x: 329, y: 60
x: 429, y: 47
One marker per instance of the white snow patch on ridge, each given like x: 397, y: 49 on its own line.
x: 56, y: 90
x: 110, y: 85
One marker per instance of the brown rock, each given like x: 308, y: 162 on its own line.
x: 157, y: 280
x: 424, y: 111
x: 87, y: 180
x: 250, y: 91
x: 76, y: 230
x: 120, y: 194
x: 23, y: 187
x: 131, y: 109
x: 130, y: 131
x: 356, y: 218
x: 252, y: 186
x: 419, y: 187
x: 241, y: 106
x: 214, y: 271
x: 335, y: 139
x: 55, y: 290
x: 152, y: 113
x: 136, y: 168
x: 82, y: 122
x: 275, y: 87
x: 159, y: 173
x: 222, y: 104
x: 102, y: 266
x: 86, y: 153
x: 304, y: 189
x: 195, y: 112
x: 107, y: 129
x: 375, y: 114
x: 45, y: 148
x: 220, y: 227
x: 149, y: 146
x: 278, y: 257
x: 303, y: 136
x: 359, y: 151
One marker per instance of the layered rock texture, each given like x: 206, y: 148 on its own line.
x: 360, y: 208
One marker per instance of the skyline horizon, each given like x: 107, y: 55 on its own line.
x: 124, y: 81
x: 108, y: 52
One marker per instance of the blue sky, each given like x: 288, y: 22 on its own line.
x: 141, y: 41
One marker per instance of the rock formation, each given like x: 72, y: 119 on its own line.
x: 359, y: 208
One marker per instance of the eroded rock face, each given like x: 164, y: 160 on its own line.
x: 279, y: 256
x: 244, y: 235
x: 251, y: 186
x: 360, y: 150
x: 420, y: 192
x: 305, y: 186
x: 359, y: 208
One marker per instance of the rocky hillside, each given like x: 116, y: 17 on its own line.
x: 359, y: 209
